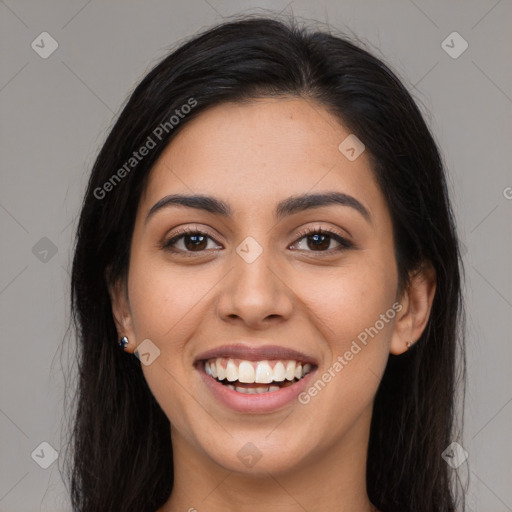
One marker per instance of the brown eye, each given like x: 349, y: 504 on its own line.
x: 188, y: 241
x: 319, y: 240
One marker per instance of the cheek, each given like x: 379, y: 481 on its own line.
x: 165, y: 298
x: 353, y: 310
x: 166, y: 308
x: 346, y: 301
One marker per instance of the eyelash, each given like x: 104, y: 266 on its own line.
x: 344, y: 243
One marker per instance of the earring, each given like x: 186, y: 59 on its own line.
x: 123, y: 342
x: 409, y: 344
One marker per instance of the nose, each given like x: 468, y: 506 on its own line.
x: 255, y: 293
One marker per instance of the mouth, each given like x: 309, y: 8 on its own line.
x: 255, y: 379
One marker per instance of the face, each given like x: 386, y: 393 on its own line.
x: 261, y: 287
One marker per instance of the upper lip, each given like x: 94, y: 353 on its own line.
x: 252, y: 353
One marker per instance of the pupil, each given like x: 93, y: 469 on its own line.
x: 197, y: 241
x: 322, y: 244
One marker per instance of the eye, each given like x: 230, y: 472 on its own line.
x: 191, y: 240
x: 319, y: 240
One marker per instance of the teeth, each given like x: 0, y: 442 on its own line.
x: 231, y: 371
x: 264, y: 373
x: 279, y: 372
x: 260, y: 372
x: 221, y: 372
x: 255, y: 391
x: 246, y: 372
x: 290, y: 370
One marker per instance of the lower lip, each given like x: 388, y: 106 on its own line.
x: 255, y: 403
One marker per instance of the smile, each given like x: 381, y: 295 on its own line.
x: 256, y: 377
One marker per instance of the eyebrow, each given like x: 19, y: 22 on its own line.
x: 288, y: 206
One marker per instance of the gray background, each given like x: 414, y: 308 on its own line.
x: 55, y: 114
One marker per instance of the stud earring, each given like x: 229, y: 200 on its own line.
x: 409, y: 344
x: 123, y: 342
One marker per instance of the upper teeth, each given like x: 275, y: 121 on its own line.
x: 260, y: 372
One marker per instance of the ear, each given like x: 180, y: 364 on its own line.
x: 121, y: 311
x: 416, y: 301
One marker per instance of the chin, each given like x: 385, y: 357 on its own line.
x: 258, y: 455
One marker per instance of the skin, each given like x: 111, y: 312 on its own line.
x: 313, y: 456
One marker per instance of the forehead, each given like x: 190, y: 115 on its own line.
x: 253, y: 154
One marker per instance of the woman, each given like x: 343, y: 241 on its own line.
x: 266, y: 287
